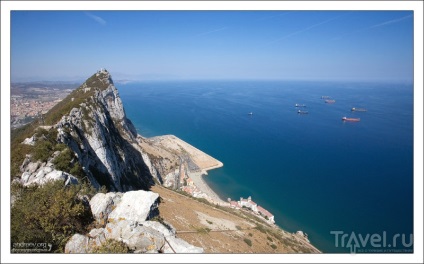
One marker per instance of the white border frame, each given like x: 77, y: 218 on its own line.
x: 416, y: 6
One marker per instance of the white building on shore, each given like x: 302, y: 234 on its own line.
x: 248, y: 203
x: 265, y: 213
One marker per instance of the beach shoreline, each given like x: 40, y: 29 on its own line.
x: 183, y: 162
x: 203, y: 186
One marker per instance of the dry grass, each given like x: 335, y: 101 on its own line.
x: 218, y: 231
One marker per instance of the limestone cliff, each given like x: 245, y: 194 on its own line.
x: 92, y: 122
x: 103, y: 138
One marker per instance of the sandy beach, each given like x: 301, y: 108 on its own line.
x: 171, y: 149
x: 204, y: 187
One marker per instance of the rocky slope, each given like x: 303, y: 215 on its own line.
x: 100, y: 135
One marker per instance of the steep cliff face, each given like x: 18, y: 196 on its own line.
x: 102, y: 137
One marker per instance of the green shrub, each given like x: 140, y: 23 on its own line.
x: 18, y: 152
x: 42, y: 150
x: 67, y: 162
x: 60, y: 147
x: 49, y: 214
x: 111, y: 247
x: 103, y: 189
x: 77, y: 170
x: 203, y: 230
x: 248, y: 242
x: 203, y: 200
x: 273, y: 246
x: 45, y: 144
x: 261, y: 228
x: 63, y: 160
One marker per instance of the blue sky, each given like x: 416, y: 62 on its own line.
x: 138, y: 45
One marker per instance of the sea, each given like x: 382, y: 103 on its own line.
x: 348, y: 185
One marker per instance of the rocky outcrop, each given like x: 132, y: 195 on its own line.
x: 29, y: 141
x: 133, y: 206
x: 103, y: 204
x: 41, y: 172
x: 103, y: 138
x: 136, y: 206
x: 127, y: 216
x: 77, y: 244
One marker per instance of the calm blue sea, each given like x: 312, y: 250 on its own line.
x: 313, y: 172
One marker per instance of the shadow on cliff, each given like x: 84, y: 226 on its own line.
x: 130, y: 168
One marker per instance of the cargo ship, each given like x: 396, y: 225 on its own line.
x: 302, y: 112
x: 300, y: 105
x: 358, y: 109
x: 350, y: 119
x: 330, y: 101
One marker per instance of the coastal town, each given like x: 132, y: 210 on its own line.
x: 33, y: 99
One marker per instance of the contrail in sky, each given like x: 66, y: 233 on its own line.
x: 391, y: 21
x: 98, y: 19
x: 305, y: 29
x: 211, y: 31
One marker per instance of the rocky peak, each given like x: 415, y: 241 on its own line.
x: 92, y: 122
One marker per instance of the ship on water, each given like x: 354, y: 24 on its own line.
x: 351, y: 119
x: 355, y: 109
x: 300, y: 105
x: 330, y: 101
x: 302, y: 112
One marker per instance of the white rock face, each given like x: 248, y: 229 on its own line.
x: 177, y: 245
x: 136, y: 206
x: 29, y: 141
x: 102, y: 205
x: 159, y: 227
x: 77, y: 244
x: 40, y: 174
x: 104, y: 139
x: 139, y: 238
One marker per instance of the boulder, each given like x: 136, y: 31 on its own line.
x: 136, y: 206
x: 29, y: 141
x: 96, y: 237
x: 30, y: 167
x: 138, y: 237
x: 102, y: 205
x: 25, y: 163
x: 160, y: 227
x: 177, y: 245
x: 77, y: 244
x: 85, y: 244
